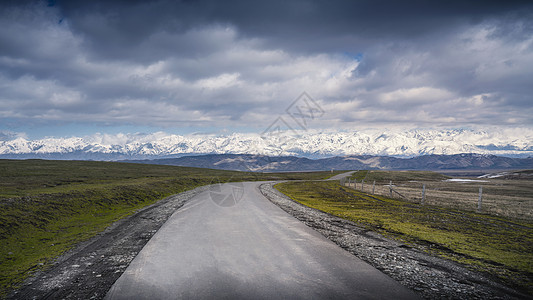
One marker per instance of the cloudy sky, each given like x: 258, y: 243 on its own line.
x: 74, y: 68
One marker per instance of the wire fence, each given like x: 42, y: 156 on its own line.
x: 498, y: 197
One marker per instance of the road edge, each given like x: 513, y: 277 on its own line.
x: 90, y: 269
x: 429, y: 276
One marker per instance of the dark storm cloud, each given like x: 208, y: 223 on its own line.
x: 116, y: 28
x: 241, y: 63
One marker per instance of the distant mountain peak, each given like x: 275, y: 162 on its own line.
x: 412, y: 143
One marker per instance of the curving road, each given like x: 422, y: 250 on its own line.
x: 340, y: 176
x: 232, y: 243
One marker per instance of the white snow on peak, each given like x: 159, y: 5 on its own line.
x: 305, y: 143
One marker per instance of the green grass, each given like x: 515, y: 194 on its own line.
x: 47, y: 207
x: 499, y: 246
x: 397, y: 176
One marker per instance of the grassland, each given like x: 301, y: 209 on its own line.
x: 46, y: 207
x: 501, y: 247
x: 508, y: 196
x: 395, y: 176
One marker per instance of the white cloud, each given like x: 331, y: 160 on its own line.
x: 7, y: 135
x: 218, y: 82
x: 415, y: 95
x: 217, y: 73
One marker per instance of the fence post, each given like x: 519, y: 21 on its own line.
x: 362, y: 185
x: 390, y: 188
x: 373, y: 187
x: 480, y: 199
x: 423, y: 194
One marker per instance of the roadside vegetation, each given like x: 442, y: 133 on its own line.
x: 508, y: 194
x: 47, y: 207
x: 398, y: 176
x: 498, y: 246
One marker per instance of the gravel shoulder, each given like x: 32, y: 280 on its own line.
x: 90, y: 269
x: 431, y: 277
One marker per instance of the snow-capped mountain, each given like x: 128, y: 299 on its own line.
x: 512, y: 143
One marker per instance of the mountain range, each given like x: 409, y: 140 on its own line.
x: 262, y: 163
x: 516, y: 143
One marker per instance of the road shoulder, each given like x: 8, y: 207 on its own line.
x: 429, y: 276
x: 90, y: 269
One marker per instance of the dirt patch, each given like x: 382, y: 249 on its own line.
x: 90, y: 269
x: 431, y: 277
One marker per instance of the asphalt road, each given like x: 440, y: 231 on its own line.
x: 340, y: 176
x: 232, y: 243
